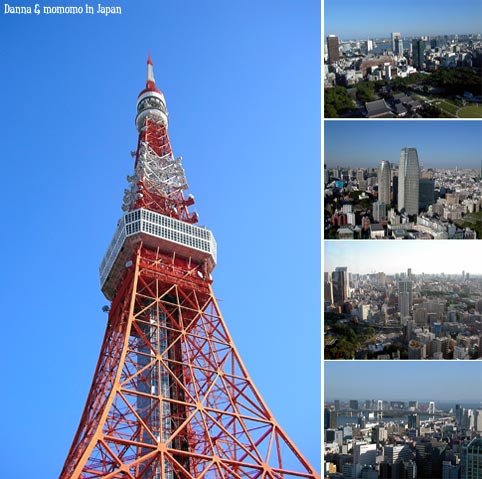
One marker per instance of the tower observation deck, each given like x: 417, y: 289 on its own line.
x: 170, y: 398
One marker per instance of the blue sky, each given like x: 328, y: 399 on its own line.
x: 393, y: 257
x: 440, y: 144
x: 352, y: 19
x: 403, y: 380
x: 241, y: 81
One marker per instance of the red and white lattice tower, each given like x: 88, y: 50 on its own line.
x: 170, y: 398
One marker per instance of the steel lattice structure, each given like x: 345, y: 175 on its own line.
x: 170, y: 398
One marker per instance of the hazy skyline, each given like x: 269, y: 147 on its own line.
x: 360, y: 20
x: 403, y: 380
x: 440, y: 144
x: 391, y: 257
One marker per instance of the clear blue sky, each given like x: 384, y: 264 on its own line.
x: 440, y: 144
x: 403, y: 380
x: 391, y: 257
x: 352, y: 19
x: 241, y: 80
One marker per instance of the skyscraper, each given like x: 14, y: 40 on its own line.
x: 340, y: 285
x: 397, y: 43
x: 384, y: 176
x: 408, y: 181
x: 395, y: 36
x: 413, y: 421
x: 471, y: 459
x: 418, y: 53
x: 426, y: 193
x: 333, y: 49
x: 405, y: 297
x: 330, y: 418
x: 328, y: 289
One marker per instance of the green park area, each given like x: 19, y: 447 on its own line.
x: 471, y: 111
x: 472, y: 221
x: 445, y: 105
x: 344, y: 338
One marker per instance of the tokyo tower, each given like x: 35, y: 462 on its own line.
x: 170, y: 398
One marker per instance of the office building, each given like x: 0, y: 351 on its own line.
x: 364, y: 454
x: 408, y: 181
x: 418, y: 53
x: 333, y: 46
x: 397, y: 43
x: 416, y: 350
x: 330, y: 419
x: 379, y: 211
x: 471, y: 459
x: 413, y: 421
x: 339, y: 281
x: 426, y: 193
x: 405, y: 297
x: 384, y: 177
x: 393, y: 454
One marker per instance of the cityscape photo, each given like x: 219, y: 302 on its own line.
x: 402, y: 300
x: 403, y: 60
x: 402, y: 420
x: 411, y: 180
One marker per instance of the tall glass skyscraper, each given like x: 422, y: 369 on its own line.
x: 408, y: 181
x: 340, y: 285
x: 384, y: 178
x: 418, y: 52
x: 471, y: 459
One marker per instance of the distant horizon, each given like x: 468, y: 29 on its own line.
x: 451, y: 275
x: 403, y: 380
x: 447, y: 144
x: 344, y: 38
x: 392, y: 257
x: 352, y: 19
x: 405, y: 399
x: 425, y: 168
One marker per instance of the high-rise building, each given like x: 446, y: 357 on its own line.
x: 354, y: 404
x: 478, y: 420
x: 364, y: 454
x: 393, y: 454
x: 426, y: 193
x: 328, y: 289
x: 418, y: 53
x: 408, y: 182
x: 471, y: 459
x: 394, y: 196
x: 330, y: 418
x: 384, y: 177
x: 333, y: 48
x: 379, y: 211
x: 340, y: 285
x: 413, y: 421
x: 416, y: 350
x: 396, y: 40
x: 405, y: 297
